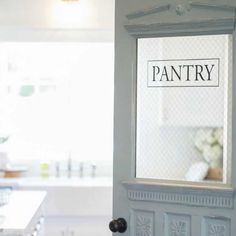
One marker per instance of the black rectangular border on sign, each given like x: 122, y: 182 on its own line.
x: 201, y: 59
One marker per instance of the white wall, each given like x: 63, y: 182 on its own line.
x: 48, y: 20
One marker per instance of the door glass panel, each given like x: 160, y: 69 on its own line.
x: 183, y: 120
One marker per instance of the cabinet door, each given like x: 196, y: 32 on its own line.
x: 39, y: 228
x: 77, y: 226
x: 55, y: 227
x: 149, y: 198
x: 89, y: 226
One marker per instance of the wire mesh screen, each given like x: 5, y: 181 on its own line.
x: 184, y: 108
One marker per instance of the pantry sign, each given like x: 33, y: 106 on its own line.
x: 184, y: 73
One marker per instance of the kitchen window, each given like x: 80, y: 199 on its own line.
x: 56, y: 100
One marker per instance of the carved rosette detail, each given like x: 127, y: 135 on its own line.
x: 216, y: 230
x: 144, y: 226
x: 180, y: 9
x: 178, y: 228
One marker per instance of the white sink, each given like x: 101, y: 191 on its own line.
x: 73, y: 182
x: 54, y: 182
x: 72, y: 196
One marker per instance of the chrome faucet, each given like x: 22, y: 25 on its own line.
x: 57, y: 169
x: 94, y: 167
x: 81, y: 169
x: 69, y: 168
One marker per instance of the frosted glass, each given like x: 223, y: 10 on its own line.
x: 184, y: 108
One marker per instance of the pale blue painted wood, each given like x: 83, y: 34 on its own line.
x: 155, y: 208
x: 220, y: 19
x: 149, y: 11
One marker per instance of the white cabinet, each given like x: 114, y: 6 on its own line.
x: 79, y: 207
x: 55, y: 227
x: 37, y: 229
x: 77, y: 226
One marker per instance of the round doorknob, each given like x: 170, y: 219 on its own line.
x: 119, y: 225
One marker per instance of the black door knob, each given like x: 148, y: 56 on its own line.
x: 119, y: 225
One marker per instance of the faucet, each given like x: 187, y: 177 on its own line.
x: 57, y: 169
x: 94, y: 167
x: 69, y: 167
x: 81, y: 169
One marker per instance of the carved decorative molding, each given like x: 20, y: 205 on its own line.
x: 186, y: 199
x: 150, y: 11
x: 215, y: 226
x: 223, y: 24
x: 178, y: 228
x: 179, y: 7
x: 143, y: 223
x: 171, y: 17
x: 143, y: 226
x: 202, y: 197
x: 177, y: 224
x: 212, y: 6
x: 216, y: 229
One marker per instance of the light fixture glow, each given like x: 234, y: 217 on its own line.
x: 72, y: 14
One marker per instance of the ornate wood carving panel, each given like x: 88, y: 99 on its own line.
x: 188, y: 15
x: 143, y: 222
x: 177, y: 225
x: 215, y: 227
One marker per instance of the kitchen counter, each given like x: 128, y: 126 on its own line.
x: 57, y: 182
x: 23, y: 212
x: 87, y: 196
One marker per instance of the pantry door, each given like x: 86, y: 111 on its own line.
x: 174, y: 118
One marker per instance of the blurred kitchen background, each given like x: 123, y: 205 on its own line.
x: 56, y: 115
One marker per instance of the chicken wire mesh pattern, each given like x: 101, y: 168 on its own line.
x: 170, y: 118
